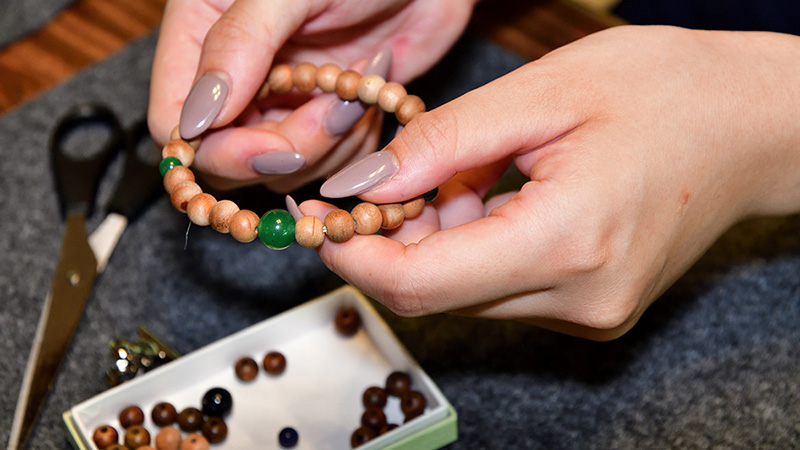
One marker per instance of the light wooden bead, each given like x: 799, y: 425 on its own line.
x: 183, y: 193
x: 280, y: 79
x: 347, y: 85
x: 368, y: 218
x: 390, y: 94
x: 413, y: 208
x: 308, y: 232
x: 176, y: 134
x: 327, y: 75
x: 368, y: 88
x: 409, y: 107
x: 199, y: 208
x: 305, y: 77
x: 176, y: 176
x: 392, y: 215
x: 220, y: 216
x: 243, y: 225
x: 339, y: 225
x: 178, y: 148
x: 263, y: 91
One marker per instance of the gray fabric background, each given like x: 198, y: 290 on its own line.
x: 713, y: 364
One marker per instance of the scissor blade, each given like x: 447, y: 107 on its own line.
x: 63, y: 308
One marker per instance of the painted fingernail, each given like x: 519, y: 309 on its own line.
x: 277, y: 162
x: 293, y: 209
x: 344, y: 114
x: 203, y: 104
x: 361, y: 176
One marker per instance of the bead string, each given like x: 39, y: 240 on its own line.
x: 277, y: 228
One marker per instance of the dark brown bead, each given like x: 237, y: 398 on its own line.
x: 397, y: 383
x: 215, y: 430
x: 387, y: 428
x: 194, y: 441
x: 104, y: 436
x: 190, y: 420
x: 411, y: 417
x: 361, y: 436
x: 374, y: 397
x: 347, y: 321
x: 246, y: 369
x: 130, y: 416
x: 374, y: 418
x: 116, y: 447
x: 164, y: 414
x: 412, y: 403
x: 274, y: 363
x: 136, y: 436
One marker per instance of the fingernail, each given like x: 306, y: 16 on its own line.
x: 202, y: 105
x: 277, y: 162
x: 361, y: 176
x: 293, y: 209
x: 344, y: 114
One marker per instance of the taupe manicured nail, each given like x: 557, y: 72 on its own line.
x: 203, y: 105
x: 293, y: 209
x: 344, y: 114
x: 361, y: 176
x: 277, y: 163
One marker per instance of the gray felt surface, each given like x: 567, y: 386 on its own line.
x: 21, y: 17
x: 713, y: 364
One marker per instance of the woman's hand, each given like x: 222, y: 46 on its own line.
x: 643, y: 145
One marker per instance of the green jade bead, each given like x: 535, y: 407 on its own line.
x: 168, y: 163
x: 276, y: 229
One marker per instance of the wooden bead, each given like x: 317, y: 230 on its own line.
x: 368, y: 88
x: 136, y: 436
x: 409, y: 107
x: 274, y: 363
x: 347, y: 85
x: 305, y: 77
x: 327, y: 75
x: 347, y: 321
x: 246, y: 369
x: 194, y: 441
x: 374, y: 418
x: 339, y: 225
x: 243, y: 225
x: 412, y: 403
x: 215, y: 430
x: 398, y: 383
x: 221, y: 214
x: 176, y: 176
x: 168, y: 438
x: 163, y: 414
x: 413, y: 208
x: 183, y: 193
x: 390, y: 94
x: 180, y: 149
x: 392, y: 215
x: 199, y: 209
x: 190, y: 419
x: 368, y: 218
x: 176, y: 134
x: 104, y: 436
x: 374, y: 397
x: 280, y: 79
x: 308, y: 232
x: 263, y: 91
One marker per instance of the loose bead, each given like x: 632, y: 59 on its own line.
x: 409, y: 107
x: 167, y: 164
x: 368, y: 87
x: 280, y: 79
x: 308, y: 232
x: 178, y: 148
x: 412, y: 403
x: 168, y: 438
x: 176, y: 176
x: 327, y: 75
x: 347, y: 321
x: 130, y: 416
x: 215, y: 430
x: 339, y: 225
x: 374, y: 397
x: 373, y: 418
x: 288, y: 437
x: 164, y: 414
x: 199, y: 209
x: 390, y: 94
x: 361, y: 436
x: 246, y: 369
x: 397, y: 383
x: 243, y: 225
x: 183, y: 193
x: 368, y: 218
x: 194, y: 442
x: 116, y: 447
x: 392, y: 215
x: 347, y: 85
x: 190, y: 419
x: 104, y: 436
x: 387, y: 428
x: 136, y: 436
x: 413, y: 208
x: 274, y: 363
x: 176, y: 134
x: 217, y: 402
x: 276, y: 229
x: 305, y: 77
x: 221, y: 214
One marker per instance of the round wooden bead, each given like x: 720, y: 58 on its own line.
x: 136, y: 436
x: 183, y: 193
x: 104, y: 436
x: 368, y: 87
x: 164, y: 414
x: 347, y: 321
x: 305, y: 77
x: 280, y: 79
x: 347, y: 85
x: 130, y: 416
x: 397, y: 383
x: 176, y: 176
x: 413, y: 208
x: 392, y: 215
x: 327, y: 75
x: 176, y: 134
x: 390, y: 94
x: 178, y: 148
x: 274, y: 363
x: 199, y: 208
x: 387, y: 428
x: 221, y: 214
x: 409, y: 107
x: 368, y: 218
x: 374, y: 397
x: 194, y: 441
x: 243, y: 225
x: 168, y: 438
x: 215, y: 430
x: 339, y: 225
x: 412, y: 403
x: 263, y: 91
x: 308, y: 232
x: 374, y: 418
x: 361, y: 436
x: 116, y: 447
x: 190, y: 419
x: 246, y: 369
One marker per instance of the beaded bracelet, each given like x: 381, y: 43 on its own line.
x: 277, y: 228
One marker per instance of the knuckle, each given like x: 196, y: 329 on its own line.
x: 436, y: 131
x: 406, y: 293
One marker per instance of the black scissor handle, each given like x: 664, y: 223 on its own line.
x: 77, y: 179
x: 141, y: 182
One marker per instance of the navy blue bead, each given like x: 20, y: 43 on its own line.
x: 217, y: 402
x: 288, y: 437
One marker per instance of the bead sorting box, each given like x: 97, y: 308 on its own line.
x: 319, y: 394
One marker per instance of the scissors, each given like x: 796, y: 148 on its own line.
x: 82, y: 258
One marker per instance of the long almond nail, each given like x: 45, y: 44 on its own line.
x: 277, y: 162
x: 203, y: 105
x: 293, y: 209
x: 344, y: 114
x: 361, y: 176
